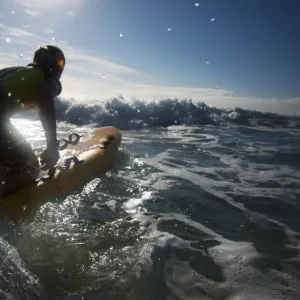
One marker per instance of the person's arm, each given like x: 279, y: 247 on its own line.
x: 48, y: 120
x: 47, y: 112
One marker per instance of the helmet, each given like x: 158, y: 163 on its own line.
x: 50, y: 59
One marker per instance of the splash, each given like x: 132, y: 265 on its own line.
x: 166, y: 112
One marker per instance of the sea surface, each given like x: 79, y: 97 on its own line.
x: 203, y: 203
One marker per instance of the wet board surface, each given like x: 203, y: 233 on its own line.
x: 98, y: 152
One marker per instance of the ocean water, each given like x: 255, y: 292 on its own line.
x: 202, y: 203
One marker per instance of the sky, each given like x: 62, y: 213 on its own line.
x: 226, y: 53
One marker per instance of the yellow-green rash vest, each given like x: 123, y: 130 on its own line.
x: 22, y: 84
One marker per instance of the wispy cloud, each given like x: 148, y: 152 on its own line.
x: 27, y: 26
x: 83, y: 78
x: 13, y: 36
x: 71, y: 13
x: 34, y: 5
x: 24, y: 3
x: 48, y: 31
x: 31, y: 12
x: 14, y: 31
x: 82, y: 89
x: 105, y: 64
x: 96, y: 75
x: 17, y: 32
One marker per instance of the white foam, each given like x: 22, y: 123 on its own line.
x: 238, y: 262
x: 131, y: 206
x: 244, y: 277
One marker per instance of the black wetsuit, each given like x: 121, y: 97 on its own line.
x: 24, y: 87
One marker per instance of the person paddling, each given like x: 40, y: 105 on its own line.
x: 34, y: 85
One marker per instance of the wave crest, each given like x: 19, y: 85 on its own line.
x: 166, y: 112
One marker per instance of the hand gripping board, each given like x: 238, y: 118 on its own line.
x: 98, y: 154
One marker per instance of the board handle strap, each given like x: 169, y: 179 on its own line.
x: 64, y: 168
x: 73, y: 139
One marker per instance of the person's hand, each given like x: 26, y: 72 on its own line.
x: 49, y: 158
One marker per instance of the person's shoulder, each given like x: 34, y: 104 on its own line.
x: 10, y: 70
x: 29, y: 71
x: 32, y: 69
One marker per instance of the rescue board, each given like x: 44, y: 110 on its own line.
x: 89, y: 158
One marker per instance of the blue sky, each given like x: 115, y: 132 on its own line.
x: 223, y: 52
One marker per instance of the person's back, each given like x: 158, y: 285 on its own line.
x: 35, y: 85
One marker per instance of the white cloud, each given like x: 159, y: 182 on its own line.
x: 26, y: 4
x: 47, y: 5
x: 24, y: 39
x: 94, y: 74
x: 20, y: 39
x: 82, y: 88
x: 83, y: 77
x: 31, y: 12
x: 7, y: 30
x: 19, y: 32
x: 71, y: 13
x: 104, y: 64
x: 48, y: 31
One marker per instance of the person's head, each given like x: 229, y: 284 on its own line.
x: 50, y: 59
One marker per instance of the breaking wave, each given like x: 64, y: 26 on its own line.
x: 166, y: 112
